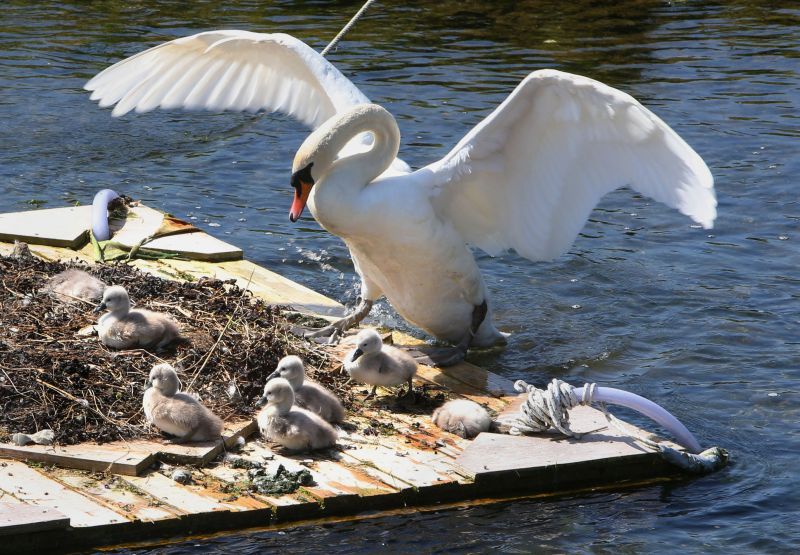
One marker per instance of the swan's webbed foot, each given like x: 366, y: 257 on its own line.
x: 332, y: 333
x: 443, y: 356
x: 450, y: 356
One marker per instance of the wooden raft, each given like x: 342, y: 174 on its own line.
x: 90, y: 495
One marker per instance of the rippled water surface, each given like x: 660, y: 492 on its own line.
x: 703, y: 322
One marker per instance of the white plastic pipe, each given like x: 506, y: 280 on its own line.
x: 100, y: 214
x: 648, y: 408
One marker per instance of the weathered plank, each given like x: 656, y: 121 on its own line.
x: 119, y: 459
x: 56, y: 227
x: 198, y: 453
x: 187, y: 499
x: 119, y: 495
x: 299, y: 296
x: 30, y: 486
x: 16, y: 518
x: 129, y: 458
x: 411, y: 466
x: 142, y: 222
x: 552, y: 462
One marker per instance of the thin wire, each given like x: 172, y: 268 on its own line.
x: 347, y: 27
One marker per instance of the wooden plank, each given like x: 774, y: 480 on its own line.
x: 332, y: 494
x: 199, y: 453
x: 461, y: 389
x: 119, y: 495
x: 16, y: 518
x: 119, y: 459
x: 398, y: 460
x: 299, y: 296
x: 237, y: 476
x: 143, y: 222
x: 56, y: 227
x: 197, y: 246
x: 499, y: 456
x: 420, y: 432
x: 30, y: 486
x: 351, y: 478
x: 178, y: 496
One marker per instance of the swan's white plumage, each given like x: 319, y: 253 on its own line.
x: 231, y: 70
x: 525, y: 178
x: 529, y: 174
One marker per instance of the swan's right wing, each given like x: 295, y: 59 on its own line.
x: 527, y: 176
x: 228, y: 70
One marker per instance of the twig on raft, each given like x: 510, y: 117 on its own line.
x: 82, y: 402
x: 222, y: 333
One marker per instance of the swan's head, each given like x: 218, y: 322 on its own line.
x: 367, y: 341
x: 291, y: 369
x: 279, y: 394
x: 164, y: 378
x: 329, y: 141
x: 313, y: 159
x: 115, y: 299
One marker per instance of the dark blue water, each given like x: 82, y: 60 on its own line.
x: 705, y: 323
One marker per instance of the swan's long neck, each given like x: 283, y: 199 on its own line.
x: 341, y: 180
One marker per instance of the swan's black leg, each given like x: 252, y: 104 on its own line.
x: 334, y: 331
x: 453, y: 355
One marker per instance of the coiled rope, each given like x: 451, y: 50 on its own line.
x: 545, y: 409
x: 347, y: 27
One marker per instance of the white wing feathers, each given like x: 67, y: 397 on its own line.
x: 528, y: 175
x: 228, y: 70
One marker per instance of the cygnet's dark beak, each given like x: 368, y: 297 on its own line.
x: 357, y: 353
x: 275, y: 374
x: 148, y: 384
x: 261, y: 402
x: 100, y: 307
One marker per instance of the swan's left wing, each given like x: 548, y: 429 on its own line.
x: 233, y: 70
x: 228, y: 70
x: 528, y: 175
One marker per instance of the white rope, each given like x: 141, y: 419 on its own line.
x: 545, y: 409
x: 347, y: 27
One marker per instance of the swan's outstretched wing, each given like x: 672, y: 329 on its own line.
x: 528, y: 175
x: 228, y: 70
x: 233, y: 70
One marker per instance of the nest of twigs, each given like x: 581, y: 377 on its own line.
x: 53, y: 377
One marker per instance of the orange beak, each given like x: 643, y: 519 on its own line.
x: 300, y: 199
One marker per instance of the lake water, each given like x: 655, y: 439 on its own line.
x: 705, y: 323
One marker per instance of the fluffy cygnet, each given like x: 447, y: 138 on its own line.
x: 293, y: 427
x: 374, y: 363
x: 463, y: 418
x: 307, y: 394
x: 72, y: 284
x: 176, y: 413
x: 123, y: 328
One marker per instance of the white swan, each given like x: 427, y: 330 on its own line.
x: 124, y: 328
x: 525, y: 178
x: 292, y: 427
x: 374, y: 363
x: 462, y: 417
x: 177, y: 413
x: 307, y: 394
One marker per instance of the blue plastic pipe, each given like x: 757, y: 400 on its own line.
x: 100, y: 214
x: 648, y: 408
